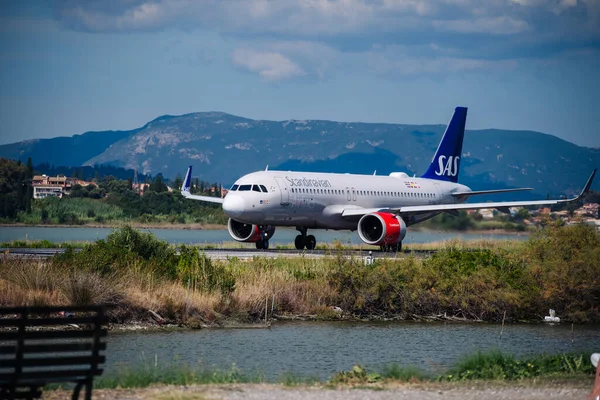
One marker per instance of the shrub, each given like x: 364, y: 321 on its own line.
x: 202, y: 273
x: 88, y: 288
x: 123, y: 249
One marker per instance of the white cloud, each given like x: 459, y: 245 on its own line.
x: 398, y: 61
x: 271, y: 66
x: 285, y: 39
x: 494, y: 26
x: 326, y: 19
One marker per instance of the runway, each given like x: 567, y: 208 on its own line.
x: 242, y: 254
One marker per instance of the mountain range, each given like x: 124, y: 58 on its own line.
x: 222, y: 147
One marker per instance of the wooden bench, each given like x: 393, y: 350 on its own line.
x: 44, y: 345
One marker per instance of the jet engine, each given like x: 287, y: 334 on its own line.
x: 243, y: 232
x: 381, y: 229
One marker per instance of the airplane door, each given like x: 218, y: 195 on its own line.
x: 283, y: 189
x: 348, y: 195
x: 353, y: 194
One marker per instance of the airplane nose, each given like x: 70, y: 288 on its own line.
x: 233, y: 205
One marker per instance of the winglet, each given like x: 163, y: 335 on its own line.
x: 187, y: 182
x: 587, y: 186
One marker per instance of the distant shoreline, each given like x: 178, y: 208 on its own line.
x: 137, y: 225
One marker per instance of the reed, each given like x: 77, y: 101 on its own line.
x: 495, y: 365
x: 173, y: 374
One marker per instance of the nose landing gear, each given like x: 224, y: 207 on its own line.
x: 263, y: 243
x: 302, y: 241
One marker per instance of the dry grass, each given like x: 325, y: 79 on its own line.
x: 283, y: 289
x: 460, y: 244
x: 296, y: 286
x: 12, y: 295
x: 168, y: 298
x: 27, y: 282
x: 86, y: 287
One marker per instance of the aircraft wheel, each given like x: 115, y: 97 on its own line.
x: 266, y: 244
x: 299, y: 242
x: 311, y: 242
x: 260, y: 245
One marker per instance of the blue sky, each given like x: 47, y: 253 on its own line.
x: 67, y: 67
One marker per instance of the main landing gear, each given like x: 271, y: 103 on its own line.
x: 395, y: 248
x: 302, y: 241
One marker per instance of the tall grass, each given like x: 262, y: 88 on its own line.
x: 173, y: 374
x: 495, y: 365
x: 558, y: 268
x: 492, y: 365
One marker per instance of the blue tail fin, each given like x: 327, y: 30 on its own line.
x: 446, y: 161
x: 187, y: 182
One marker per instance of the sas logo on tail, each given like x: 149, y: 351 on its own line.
x: 448, y: 167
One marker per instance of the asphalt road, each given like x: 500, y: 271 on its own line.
x: 223, y: 254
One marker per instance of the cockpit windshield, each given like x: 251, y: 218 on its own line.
x: 248, y: 188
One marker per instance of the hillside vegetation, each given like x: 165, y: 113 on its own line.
x: 110, y: 201
x: 558, y: 267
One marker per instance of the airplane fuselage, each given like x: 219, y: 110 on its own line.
x: 315, y: 200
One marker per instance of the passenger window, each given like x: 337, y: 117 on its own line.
x: 234, y: 188
x: 264, y: 189
x: 245, y: 188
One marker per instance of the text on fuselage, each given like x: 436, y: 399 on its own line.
x: 450, y: 168
x: 305, y: 182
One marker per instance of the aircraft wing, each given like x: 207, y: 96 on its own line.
x: 500, y: 205
x: 185, y: 190
x: 495, y: 191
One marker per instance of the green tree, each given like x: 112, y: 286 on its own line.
x: 13, y: 188
x: 178, y: 182
x: 29, y: 177
x: 522, y: 214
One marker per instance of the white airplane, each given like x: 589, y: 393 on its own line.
x: 380, y: 208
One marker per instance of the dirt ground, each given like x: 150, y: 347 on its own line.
x: 430, y: 391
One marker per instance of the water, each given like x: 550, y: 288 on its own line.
x: 189, y: 236
x: 320, y: 349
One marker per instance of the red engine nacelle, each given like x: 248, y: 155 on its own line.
x: 243, y: 232
x: 381, y: 229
